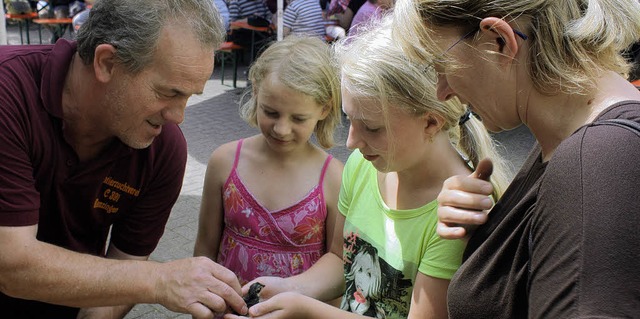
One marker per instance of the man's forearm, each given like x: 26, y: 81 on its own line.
x: 69, y: 278
x: 115, y: 312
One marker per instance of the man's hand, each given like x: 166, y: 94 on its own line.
x: 464, y: 201
x: 200, y: 287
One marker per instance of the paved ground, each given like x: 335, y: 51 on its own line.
x: 211, y: 120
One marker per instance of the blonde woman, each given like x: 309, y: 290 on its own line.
x: 563, y: 240
x: 406, y: 143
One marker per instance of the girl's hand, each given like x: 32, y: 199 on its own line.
x: 272, y: 286
x: 464, y: 202
x: 281, y: 306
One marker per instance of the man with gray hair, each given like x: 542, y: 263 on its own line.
x: 93, y: 161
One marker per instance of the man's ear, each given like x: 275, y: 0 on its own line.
x: 104, y: 62
x: 502, y: 34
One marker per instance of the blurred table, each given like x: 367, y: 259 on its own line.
x: 242, y: 24
x: 59, y: 26
x: 26, y: 20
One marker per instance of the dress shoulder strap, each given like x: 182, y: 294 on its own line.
x: 324, y: 169
x: 237, y: 157
x: 320, y: 186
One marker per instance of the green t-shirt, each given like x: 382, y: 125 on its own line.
x: 385, y: 248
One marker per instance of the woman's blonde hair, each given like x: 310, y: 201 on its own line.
x: 303, y: 64
x: 374, y: 66
x: 572, y: 42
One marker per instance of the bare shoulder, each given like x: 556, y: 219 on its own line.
x: 334, y: 170
x: 335, y: 165
x: 221, y: 160
x: 333, y: 177
x: 224, y: 151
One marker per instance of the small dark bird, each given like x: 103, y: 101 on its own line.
x: 253, y: 297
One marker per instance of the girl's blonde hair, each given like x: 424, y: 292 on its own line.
x: 374, y: 66
x: 572, y: 42
x: 303, y: 64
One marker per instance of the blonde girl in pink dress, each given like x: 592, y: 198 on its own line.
x: 270, y: 201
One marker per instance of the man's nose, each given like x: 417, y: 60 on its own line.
x: 175, y: 114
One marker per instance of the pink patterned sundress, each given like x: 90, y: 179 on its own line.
x: 258, y: 242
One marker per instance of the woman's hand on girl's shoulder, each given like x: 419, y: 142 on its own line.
x: 464, y: 201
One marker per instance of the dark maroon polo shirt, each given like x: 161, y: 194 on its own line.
x: 42, y: 182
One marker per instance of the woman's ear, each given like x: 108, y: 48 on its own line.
x: 502, y: 34
x: 104, y: 62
